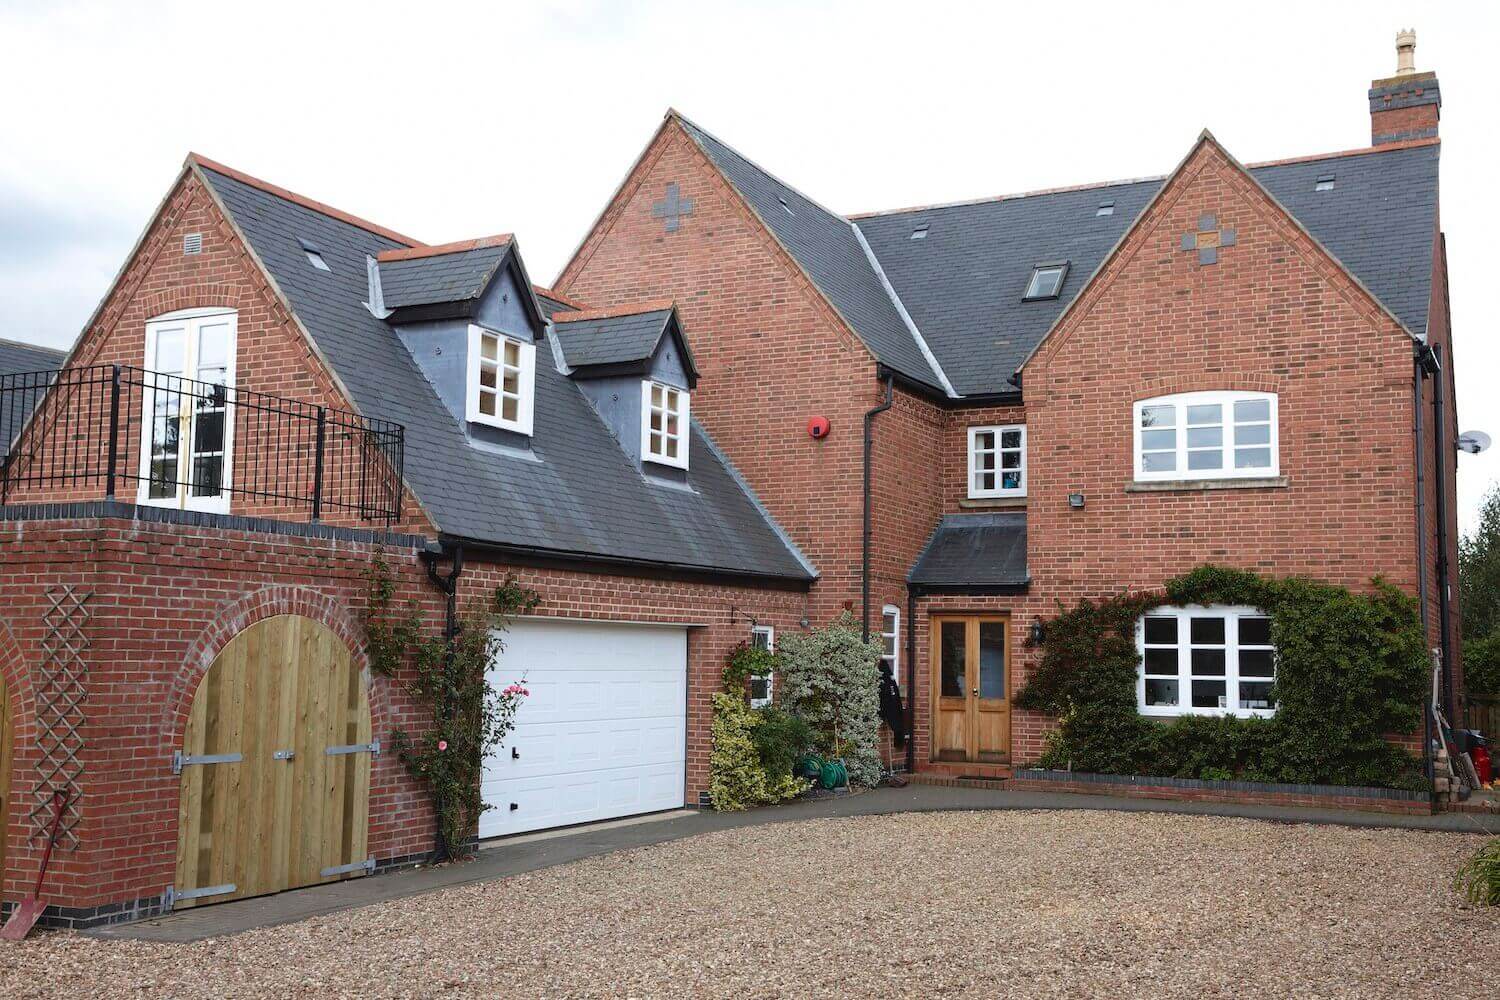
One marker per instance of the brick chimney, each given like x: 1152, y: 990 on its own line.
x: 1404, y: 106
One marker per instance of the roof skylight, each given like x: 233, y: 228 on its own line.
x: 1105, y: 208
x: 920, y: 233
x: 1046, y: 281
x: 787, y: 208
x: 1324, y: 183
x: 314, y: 255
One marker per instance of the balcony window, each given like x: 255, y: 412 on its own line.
x: 187, y: 445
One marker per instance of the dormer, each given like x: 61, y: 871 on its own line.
x: 634, y: 365
x: 467, y: 314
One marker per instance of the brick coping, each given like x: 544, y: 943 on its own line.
x: 120, y: 511
x: 1199, y: 784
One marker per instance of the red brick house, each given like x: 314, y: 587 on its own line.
x: 271, y: 394
x: 1041, y: 397
x: 737, y: 413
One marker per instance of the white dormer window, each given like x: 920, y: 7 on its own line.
x: 997, y: 461
x: 502, y: 380
x: 664, y: 421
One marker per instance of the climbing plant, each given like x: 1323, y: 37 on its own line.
x: 469, y: 718
x: 831, y: 677
x: 1350, y: 670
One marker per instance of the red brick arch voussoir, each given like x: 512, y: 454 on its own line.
x: 236, y: 616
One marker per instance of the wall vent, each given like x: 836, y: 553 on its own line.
x: 192, y: 243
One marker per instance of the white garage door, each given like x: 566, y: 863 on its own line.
x: 604, y: 732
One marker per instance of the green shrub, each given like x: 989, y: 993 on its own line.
x: 738, y: 778
x: 1479, y: 877
x: 1482, y: 666
x: 831, y: 678
x: 1350, y: 668
x: 781, y: 739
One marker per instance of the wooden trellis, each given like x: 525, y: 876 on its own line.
x: 61, y: 692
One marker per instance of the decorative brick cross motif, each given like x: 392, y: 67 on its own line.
x: 673, y: 207
x: 1208, y: 239
x: 59, y: 712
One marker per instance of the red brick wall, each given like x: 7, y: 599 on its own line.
x: 955, y: 450
x: 1272, y: 314
x: 1398, y: 124
x: 272, y: 357
x: 770, y: 351
x: 166, y: 598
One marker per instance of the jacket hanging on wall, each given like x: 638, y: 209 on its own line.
x: 891, y: 711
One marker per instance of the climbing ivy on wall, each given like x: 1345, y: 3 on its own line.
x: 1350, y: 669
x: 468, y: 718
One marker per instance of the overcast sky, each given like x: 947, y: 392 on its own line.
x: 451, y: 121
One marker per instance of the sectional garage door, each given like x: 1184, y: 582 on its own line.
x: 604, y: 732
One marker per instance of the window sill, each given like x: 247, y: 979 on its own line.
x: 991, y: 503
x: 1203, y: 485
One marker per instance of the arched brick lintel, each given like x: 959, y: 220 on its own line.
x: 238, y: 615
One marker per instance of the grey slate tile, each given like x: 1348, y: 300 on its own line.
x: 584, y: 497
x: 974, y: 550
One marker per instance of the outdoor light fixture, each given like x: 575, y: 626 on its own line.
x: 1037, y: 632
x: 1075, y: 500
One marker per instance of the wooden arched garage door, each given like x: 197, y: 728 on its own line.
x: 275, y: 766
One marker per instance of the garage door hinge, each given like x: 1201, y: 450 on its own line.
x: 181, y: 760
x: 367, y: 865
x: 170, y: 898
x: 371, y: 747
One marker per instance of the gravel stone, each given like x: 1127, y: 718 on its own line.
x: 994, y: 904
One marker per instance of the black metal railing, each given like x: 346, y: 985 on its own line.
x: 173, y: 441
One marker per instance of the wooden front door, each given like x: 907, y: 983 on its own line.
x: 275, y: 766
x: 971, y: 688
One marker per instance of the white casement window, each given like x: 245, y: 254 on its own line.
x: 664, y: 423
x: 501, y: 380
x: 997, y: 461
x: 890, y: 637
x: 1207, y: 435
x: 1205, y: 661
x: 762, y: 686
x: 187, y: 423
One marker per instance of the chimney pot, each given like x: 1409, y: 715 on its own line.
x: 1406, y: 52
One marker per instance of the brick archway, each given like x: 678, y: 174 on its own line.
x: 204, y: 295
x: 233, y: 618
x: 15, y: 674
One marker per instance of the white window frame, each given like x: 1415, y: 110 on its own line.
x: 1229, y: 437
x: 190, y: 322
x: 525, y: 382
x: 1232, y: 615
x: 684, y: 399
x: 977, y: 492
x: 894, y: 637
x: 756, y: 631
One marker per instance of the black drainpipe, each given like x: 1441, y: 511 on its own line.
x: 1438, y: 451
x: 890, y: 390
x: 911, y: 679
x: 448, y: 584
x: 1418, y: 361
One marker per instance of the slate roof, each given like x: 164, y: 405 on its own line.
x: 448, y: 277
x: 610, y: 340
x: 579, y: 495
x: 962, y: 283
x: 15, y: 407
x: 974, y: 550
x: 828, y: 248
x: 16, y: 357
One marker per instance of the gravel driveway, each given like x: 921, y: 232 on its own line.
x: 1024, y: 904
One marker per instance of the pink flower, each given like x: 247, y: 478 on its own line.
x: 442, y: 744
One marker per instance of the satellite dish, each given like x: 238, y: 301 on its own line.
x: 1473, y: 442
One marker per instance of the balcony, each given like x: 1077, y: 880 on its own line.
x: 120, y: 433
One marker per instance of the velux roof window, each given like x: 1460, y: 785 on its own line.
x: 314, y: 256
x: 1105, y: 208
x: 920, y: 233
x: 1046, y: 281
x: 1323, y: 183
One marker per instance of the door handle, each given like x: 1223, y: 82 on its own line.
x: 976, y: 692
x: 515, y: 753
